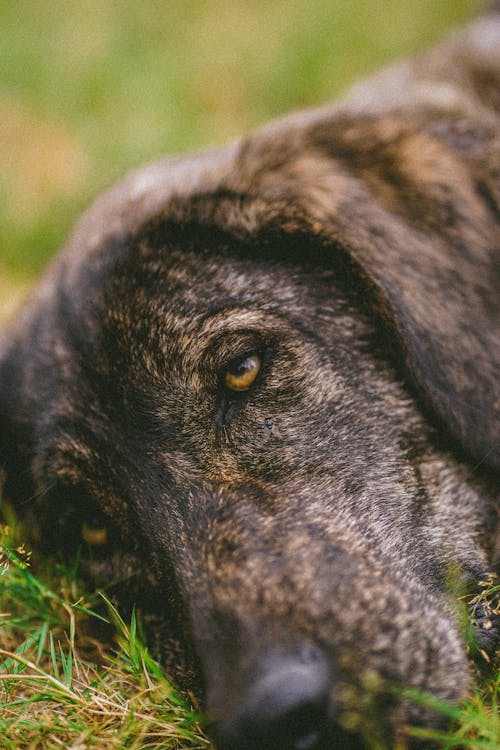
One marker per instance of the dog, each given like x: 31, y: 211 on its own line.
x: 261, y: 385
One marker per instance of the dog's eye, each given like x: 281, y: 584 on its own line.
x: 94, y: 533
x: 242, y: 373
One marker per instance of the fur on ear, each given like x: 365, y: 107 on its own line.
x: 441, y: 298
x: 3, y: 405
x: 15, y: 425
x: 4, y: 421
x: 6, y: 437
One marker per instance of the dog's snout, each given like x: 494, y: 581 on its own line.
x: 287, y: 707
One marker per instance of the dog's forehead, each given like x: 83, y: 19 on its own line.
x: 163, y: 307
x: 179, y: 288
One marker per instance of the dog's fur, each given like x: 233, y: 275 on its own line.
x: 340, y: 502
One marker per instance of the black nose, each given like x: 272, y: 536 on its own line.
x: 287, y: 707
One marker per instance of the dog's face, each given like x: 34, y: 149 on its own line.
x: 250, y: 389
x: 231, y: 418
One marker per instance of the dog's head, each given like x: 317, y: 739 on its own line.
x: 251, y: 386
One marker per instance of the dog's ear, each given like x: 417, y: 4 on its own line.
x: 4, y: 421
x: 440, y: 299
x: 419, y: 217
x: 14, y: 426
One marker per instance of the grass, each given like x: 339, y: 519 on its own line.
x: 62, y: 684
x: 476, y: 723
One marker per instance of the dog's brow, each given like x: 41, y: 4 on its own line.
x: 233, y: 318
x: 68, y: 458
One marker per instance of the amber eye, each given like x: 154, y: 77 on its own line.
x: 94, y: 533
x: 242, y: 373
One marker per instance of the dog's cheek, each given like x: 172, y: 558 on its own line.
x: 273, y: 432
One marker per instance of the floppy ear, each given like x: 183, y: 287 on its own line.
x: 420, y: 217
x: 14, y: 424
x: 4, y: 428
x: 3, y: 397
x: 441, y: 297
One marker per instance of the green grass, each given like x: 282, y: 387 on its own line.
x: 476, y: 723
x: 60, y: 686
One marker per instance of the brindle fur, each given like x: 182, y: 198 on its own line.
x: 341, y: 500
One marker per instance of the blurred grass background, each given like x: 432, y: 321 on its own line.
x: 91, y: 88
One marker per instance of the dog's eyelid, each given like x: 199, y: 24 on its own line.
x: 230, y: 346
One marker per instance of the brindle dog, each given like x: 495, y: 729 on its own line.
x: 264, y: 381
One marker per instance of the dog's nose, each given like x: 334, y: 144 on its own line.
x: 288, y: 707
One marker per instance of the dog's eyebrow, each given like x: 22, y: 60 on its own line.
x: 236, y: 315
x: 67, y: 457
x: 74, y: 447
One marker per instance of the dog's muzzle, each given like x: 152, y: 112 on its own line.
x: 287, y: 705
